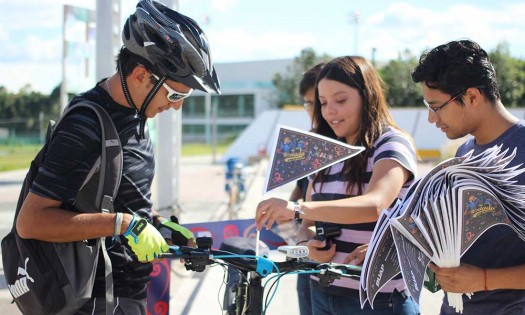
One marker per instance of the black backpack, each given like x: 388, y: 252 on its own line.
x: 58, y: 278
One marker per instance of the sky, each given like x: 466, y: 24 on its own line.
x: 248, y: 30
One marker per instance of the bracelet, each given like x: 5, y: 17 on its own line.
x: 118, y: 224
x: 485, y: 274
x: 300, y: 242
x: 297, y: 210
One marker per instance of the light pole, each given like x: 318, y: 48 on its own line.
x: 355, y: 18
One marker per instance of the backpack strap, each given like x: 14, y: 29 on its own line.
x: 110, y: 163
x: 110, y: 174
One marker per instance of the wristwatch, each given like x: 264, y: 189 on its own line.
x: 297, y: 210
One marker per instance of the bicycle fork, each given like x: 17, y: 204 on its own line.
x: 249, y: 297
x: 240, y: 298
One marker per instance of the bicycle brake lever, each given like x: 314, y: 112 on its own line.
x: 174, y: 252
x: 328, y: 276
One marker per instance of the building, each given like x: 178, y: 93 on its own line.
x: 247, y: 91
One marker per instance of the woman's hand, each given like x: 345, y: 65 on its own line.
x: 271, y: 210
x: 318, y: 255
x: 357, y: 256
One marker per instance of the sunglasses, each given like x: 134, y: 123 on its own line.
x: 173, y: 96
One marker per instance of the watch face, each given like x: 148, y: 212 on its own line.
x: 297, y: 210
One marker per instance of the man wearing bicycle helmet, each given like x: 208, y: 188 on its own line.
x: 164, y: 58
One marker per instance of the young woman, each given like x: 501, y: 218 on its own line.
x: 350, y: 106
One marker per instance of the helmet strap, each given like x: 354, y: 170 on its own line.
x: 125, y: 87
x: 149, y: 97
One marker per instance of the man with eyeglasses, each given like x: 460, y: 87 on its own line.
x: 165, y: 56
x: 461, y: 92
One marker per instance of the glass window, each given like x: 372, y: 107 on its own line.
x: 235, y: 105
x: 193, y: 129
x: 194, y: 107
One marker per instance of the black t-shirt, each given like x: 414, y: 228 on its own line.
x: 70, y: 156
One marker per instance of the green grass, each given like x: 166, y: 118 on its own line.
x: 14, y: 157
x: 193, y: 149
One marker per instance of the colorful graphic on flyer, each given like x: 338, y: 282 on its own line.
x: 300, y: 153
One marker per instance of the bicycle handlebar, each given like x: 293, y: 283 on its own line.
x: 196, y: 259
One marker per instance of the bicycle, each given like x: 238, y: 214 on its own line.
x: 234, y: 186
x: 249, y: 297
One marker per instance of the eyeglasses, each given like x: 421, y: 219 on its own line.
x: 435, y: 109
x: 308, y: 105
x: 173, y: 96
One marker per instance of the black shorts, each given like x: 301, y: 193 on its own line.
x: 123, y: 306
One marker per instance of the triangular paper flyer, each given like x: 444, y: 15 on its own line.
x: 298, y: 153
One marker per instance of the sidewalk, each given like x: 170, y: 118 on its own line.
x: 202, y: 199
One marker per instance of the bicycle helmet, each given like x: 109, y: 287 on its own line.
x: 173, y: 43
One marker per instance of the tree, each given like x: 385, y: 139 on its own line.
x: 23, y: 109
x: 287, y: 84
x: 510, y: 73
x: 401, y: 90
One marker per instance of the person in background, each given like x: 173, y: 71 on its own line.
x: 350, y: 106
x: 461, y: 93
x: 307, y: 92
x: 165, y: 56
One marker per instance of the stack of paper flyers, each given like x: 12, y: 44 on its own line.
x: 441, y: 216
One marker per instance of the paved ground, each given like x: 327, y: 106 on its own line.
x: 202, y: 199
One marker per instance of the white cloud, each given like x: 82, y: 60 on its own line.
x: 42, y: 76
x: 43, y: 50
x: 223, y: 5
x: 236, y: 45
x: 403, y: 26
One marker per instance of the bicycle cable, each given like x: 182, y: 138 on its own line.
x: 224, y: 283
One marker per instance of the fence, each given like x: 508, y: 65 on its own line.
x: 24, y: 131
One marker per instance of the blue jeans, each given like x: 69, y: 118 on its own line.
x: 303, y: 294
x: 327, y: 304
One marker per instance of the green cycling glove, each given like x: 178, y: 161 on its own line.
x: 145, y: 241
x: 171, y: 230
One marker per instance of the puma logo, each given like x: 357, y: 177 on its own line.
x: 20, y: 287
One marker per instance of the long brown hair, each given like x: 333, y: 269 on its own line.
x: 357, y: 73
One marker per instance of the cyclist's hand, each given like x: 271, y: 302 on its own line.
x: 144, y: 240
x: 322, y: 256
x: 174, y: 233
x: 271, y: 210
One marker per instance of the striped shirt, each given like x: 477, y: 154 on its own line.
x: 74, y: 148
x: 391, y: 145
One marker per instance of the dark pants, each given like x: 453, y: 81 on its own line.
x: 330, y: 304
x: 123, y: 306
x: 303, y: 294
